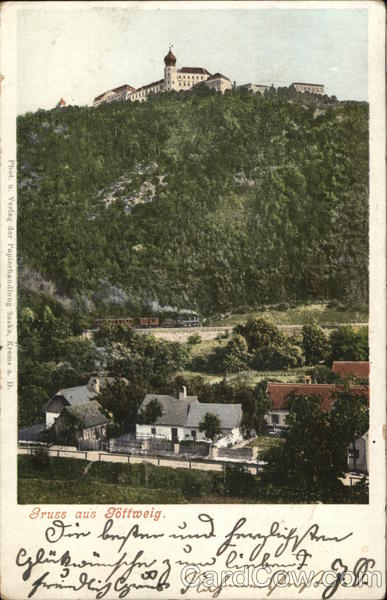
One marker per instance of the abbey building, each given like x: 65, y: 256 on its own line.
x: 174, y: 79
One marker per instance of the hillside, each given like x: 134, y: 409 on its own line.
x: 196, y: 201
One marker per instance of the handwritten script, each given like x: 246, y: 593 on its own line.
x: 115, y: 558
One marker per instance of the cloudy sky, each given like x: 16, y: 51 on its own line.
x: 79, y: 52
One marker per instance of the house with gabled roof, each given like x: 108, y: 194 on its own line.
x: 82, y: 424
x: 181, y: 418
x: 74, y: 396
x: 279, y: 392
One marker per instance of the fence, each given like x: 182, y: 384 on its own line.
x: 90, y: 444
x: 175, y: 461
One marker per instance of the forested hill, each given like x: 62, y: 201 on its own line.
x: 196, y: 200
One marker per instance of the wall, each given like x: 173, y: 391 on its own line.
x: 281, y: 418
x: 162, y: 431
x: 50, y: 418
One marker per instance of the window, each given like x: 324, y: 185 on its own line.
x: 153, y: 430
x: 193, y: 434
x: 275, y: 419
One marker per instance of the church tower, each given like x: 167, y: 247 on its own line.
x: 170, y: 76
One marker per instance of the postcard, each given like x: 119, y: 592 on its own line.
x: 193, y: 300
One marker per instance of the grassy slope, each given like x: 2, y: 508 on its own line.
x: 64, y: 480
x: 302, y: 315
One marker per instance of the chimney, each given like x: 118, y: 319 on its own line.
x: 94, y: 385
x: 183, y: 393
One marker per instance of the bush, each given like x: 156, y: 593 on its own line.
x: 238, y: 481
x: 41, y: 458
x: 323, y: 374
x: 194, y: 339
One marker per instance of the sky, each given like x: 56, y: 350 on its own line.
x: 78, y: 53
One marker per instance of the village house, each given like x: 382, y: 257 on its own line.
x: 355, y: 369
x: 181, y: 418
x: 84, y: 425
x: 278, y: 393
x: 74, y: 396
x: 174, y: 79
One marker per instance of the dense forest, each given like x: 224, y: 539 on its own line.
x: 196, y: 200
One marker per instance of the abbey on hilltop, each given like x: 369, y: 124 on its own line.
x: 174, y: 79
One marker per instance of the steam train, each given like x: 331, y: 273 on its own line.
x: 146, y: 322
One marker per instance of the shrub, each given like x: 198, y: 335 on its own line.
x: 40, y: 458
x: 194, y: 339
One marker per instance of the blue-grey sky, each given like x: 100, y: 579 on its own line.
x: 79, y: 53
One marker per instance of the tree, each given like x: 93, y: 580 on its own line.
x: 269, y: 347
x: 315, y: 344
x: 306, y: 467
x: 150, y: 413
x: 348, y: 344
x: 235, y: 355
x: 121, y: 401
x: 349, y: 419
x: 255, y: 405
x: 210, y: 424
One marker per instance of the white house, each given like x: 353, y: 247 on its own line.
x: 182, y: 416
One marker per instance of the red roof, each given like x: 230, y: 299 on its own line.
x: 278, y: 392
x: 360, y: 369
x: 61, y: 102
x: 200, y: 70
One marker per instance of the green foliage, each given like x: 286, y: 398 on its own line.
x: 150, y: 413
x: 348, y: 344
x: 51, y: 355
x: 269, y: 347
x: 121, y: 400
x: 349, y: 419
x: 236, y: 356
x: 323, y: 374
x: 146, y: 358
x: 308, y: 465
x: 40, y: 458
x: 315, y: 344
x: 255, y: 200
x: 210, y: 424
x: 194, y: 339
x: 238, y: 481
